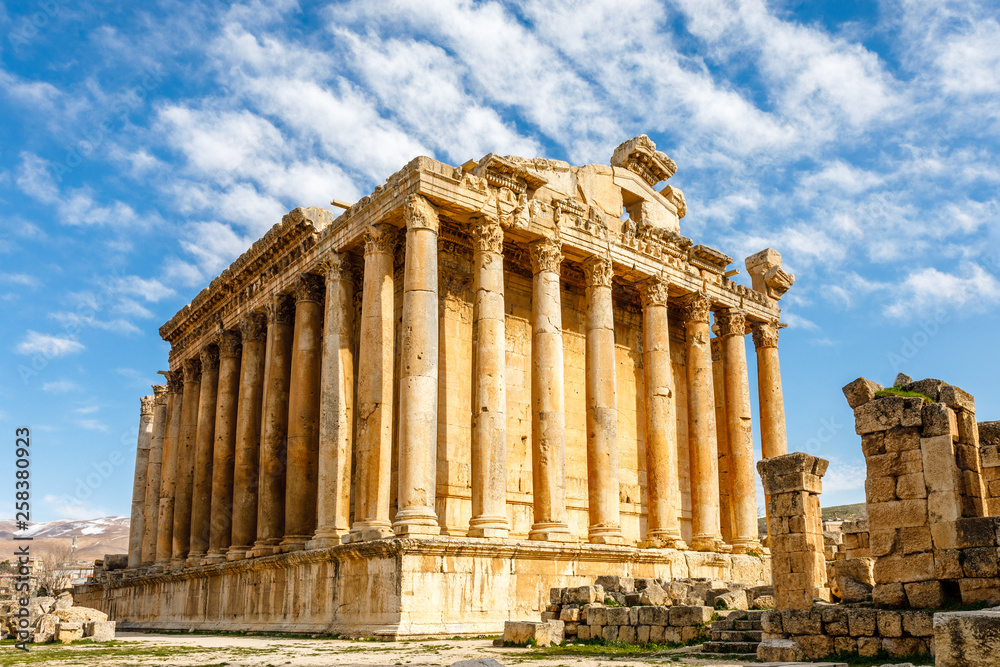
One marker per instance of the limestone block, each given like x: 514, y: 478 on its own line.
x: 939, y: 419
x: 68, y: 631
x: 45, y: 628
x: 618, y: 616
x: 588, y: 594
x: 978, y: 531
x: 989, y: 455
x: 654, y: 616
x: 772, y: 622
x: 918, y: 623
x: 890, y: 624
x: 680, y: 616
x: 880, y: 414
x: 980, y: 590
x: 913, y: 567
x: 915, y: 539
x: 899, y: 513
x: 557, y: 630
x: 550, y: 615
x: 845, y: 644
x: 889, y: 595
x: 815, y: 646
x: 862, y: 622
x: 980, y: 562
x: 910, y: 486
x: 569, y: 613
x: 989, y: 434
x: 732, y: 600
x: 901, y: 439
x: 642, y: 634
x: 63, y: 601
x: 802, y: 622
x: 597, y: 615
x: 780, y: 650
x: 690, y: 633
x: 99, y: 631
x: 610, y: 633
x: 633, y: 615
x: 860, y: 392
x: 957, y: 399
x: 583, y: 632
x: 881, y: 489
x: 925, y: 594
x: 903, y: 646
x: 616, y: 583
x: 853, y: 590
x: 869, y: 646
x: 654, y: 595
x: 556, y: 595
x: 80, y: 614
x: 626, y: 634
x: 571, y: 628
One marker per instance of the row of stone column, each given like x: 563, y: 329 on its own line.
x: 251, y: 444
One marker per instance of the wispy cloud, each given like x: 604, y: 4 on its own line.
x: 60, y: 387
x: 48, y: 345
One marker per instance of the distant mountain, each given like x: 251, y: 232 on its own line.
x: 53, y: 540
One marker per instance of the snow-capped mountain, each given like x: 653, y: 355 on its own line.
x: 53, y: 540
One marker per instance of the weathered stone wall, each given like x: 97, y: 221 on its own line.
x: 821, y: 632
x: 989, y: 451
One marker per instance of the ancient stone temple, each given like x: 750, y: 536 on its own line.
x: 473, y: 385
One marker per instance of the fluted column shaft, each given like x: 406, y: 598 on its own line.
x: 168, y: 469
x: 722, y: 440
x: 489, y: 415
x: 704, y: 464
x: 139, y: 480
x: 274, y: 427
x: 224, y: 450
x: 773, y: 439
x: 336, y: 416
x: 739, y: 427
x: 201, y: 495
x: 418, y: 382
x: 602, y: 406
x: 374, y: 397
x: 151, y: 502
x: 246, y: 474
x: 662, y: 488
x: 548, y: 410
x: 184, y: 488
x: 303, y: 414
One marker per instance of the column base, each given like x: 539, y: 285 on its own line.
x: 710, y: 543
x: 489, y: 526
x: 214, y: 556
x: 238, y: 552
x: 605, y: 535
x: 405, y: 529
x: 416, y: 521
x: 663, y: 541
x: 195, y: 559
x: 748, y: 547
x: 326, y: 541
x: 292, y: 543
x: 364, y: 532
x: 551, y: 531
x: 263, y: 548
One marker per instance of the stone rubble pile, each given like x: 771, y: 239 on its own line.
x: 56, y: 619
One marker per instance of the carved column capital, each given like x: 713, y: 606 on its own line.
x: 209, y: 357
x: 230, y: 344
x: 335, y: 266
x: 419, y: 213
x: 487, y: 235
x: 281, y: 309
x: 654, y: 292
x: 175, y: 381
x: 192, y: 370
x: 697, y: 307
x: 546, y: 255
x: 732, y: 322
x: 765, y: 334
x: 309, y: 287
x: 598, y: 271
x: 159, y: 390
x: 253, y: 327
x: 146, y: 404
x: 381, y: 238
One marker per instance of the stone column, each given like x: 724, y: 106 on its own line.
x: 224, y: 454
x: 722, y: 438
x: 246, y: 474
x: 706, y: 533
x: 418, y: 382
x: 548, y: 412
x: 773, y: 441
x: 184, y: 486
x: 151, y: 502
x: 489, y: 415
x: 168, y: 469
x: 793, y: 483
x: 139, y: 480
x: 201, y: 496
x: 303, y: 415
x: 274, y: 426
x: 375, y: 361
x: 739, y: 428
x: 663, y: 518
x: 602, y: 406
x: 336, y: 412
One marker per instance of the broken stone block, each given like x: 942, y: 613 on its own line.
x: 780, y: 650
x: 890, y: 624
x: 45, y: 628
x: 732, y: 600
x: 63, y: 601
x: 654, y: 594
x: 925, y: 594
x: 966, y: 638
x: 522, y: 633
x: 99, y: 631
x: 860, y: 392
x: 957, y: 399
x: 68, y: 631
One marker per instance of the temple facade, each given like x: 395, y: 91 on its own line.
x: 474, y: 384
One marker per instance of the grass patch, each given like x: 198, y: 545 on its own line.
x: 899, y: 391
x: 880, y: 658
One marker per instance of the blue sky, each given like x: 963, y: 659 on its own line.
x: 143, y: 146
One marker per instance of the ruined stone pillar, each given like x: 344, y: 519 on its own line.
x: 253, y: 329
x: 184, y: 485
x: 139, y: 480
x: 168, y: 469
x: 151, y: 501
x: 548, y: 413
x: 739, y: 429
x: 489, y: 414
x: 602, y: 406
x: 722, y: 438
x: 274, y: 426
x: 375, y: 361
x: 336, y: 412
x: 303, y: 415
x: 418, y: 382
x: 201, y: 496
x: 663, y: 518
x: 224, y: 451
x: 793, y: 483
x: 702, y: 440
x: 773, y: 441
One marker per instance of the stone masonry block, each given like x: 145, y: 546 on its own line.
x: 890, y: 624
x: 939, y: 419
x: 979, y: 562
x: 899, y: 513
x: 860, y: 392
x: 914, y: 567
x: 901, y: 439
x: 957, y: 399
x: 910, y: 486
x: 881, y: 489
x: 695, y: 615
x: 879, y: 414
x: 925, y: 594
x: 889, y: 595
x: 654, y: 615
x: 966, y: 638
x: 776, y: 470
x: 862, y: 622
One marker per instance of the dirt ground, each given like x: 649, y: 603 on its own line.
x: 238, y: 651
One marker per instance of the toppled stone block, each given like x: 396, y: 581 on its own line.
x: 654, y: 594
x: 523, y: 633
x: 80, y: 614
x: 780, y: 650
x: 617, y: 584
x: 680, y: 616
x: 732, y: 600
x: 99, y: 631
x: 957, y: 399
x: 860, y: 392
x: 966, y: 638
x: 68, y: 631
x: 45, y: 628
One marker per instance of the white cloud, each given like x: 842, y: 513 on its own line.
x: 150, y: 289
x: 48, y: 345
x: 74, y: 321
x: 92, y: 425
x: 21, y: 279
x: 73, y: 508
x: 60, y: 387
x: 844, y: 475
x: 930, y: 290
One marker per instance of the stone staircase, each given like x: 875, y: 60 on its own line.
x: 735, y: 637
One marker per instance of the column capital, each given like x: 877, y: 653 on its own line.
x: 765, y: 334
x: 335, y: 266
x: 420, y: 213
x: 281, y: 309
x: 309, y: 287
x: 598, y: 271
x: 487, y: 235
x: 209, y: 357
x: 381, y: 238
x: 192, y: 370
x: 159, y: 390
x: 253, y: 327
x: 654, y: 292
x: 546, y: 256
x: 230, y: 344
x: 731, y: 321
x: 175, y: 381
x: 697, y: 306
x: 146, y: 405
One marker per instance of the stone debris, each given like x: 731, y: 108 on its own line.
x: 56, y: 619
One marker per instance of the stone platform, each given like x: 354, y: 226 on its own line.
x: 391, y: 589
